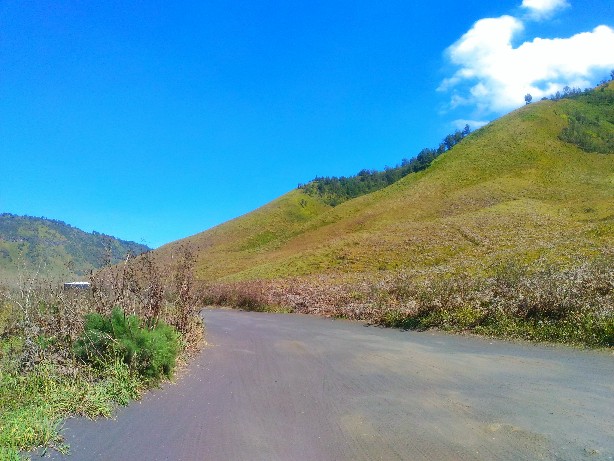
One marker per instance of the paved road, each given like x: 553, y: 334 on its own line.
x: 292, y: 387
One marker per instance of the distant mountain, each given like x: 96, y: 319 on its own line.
x: 537, y: 183
x: 56, y: 249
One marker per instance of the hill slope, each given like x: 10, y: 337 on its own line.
x: 55, y: 248
x: 513, y: 190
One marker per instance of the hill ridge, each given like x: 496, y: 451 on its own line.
x: 514, y: 174
x: 55, y: 248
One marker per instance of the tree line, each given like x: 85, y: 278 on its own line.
x: 570, y: 92
x: 591, y: 124
x: 335, y: 190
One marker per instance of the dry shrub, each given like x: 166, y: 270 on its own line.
x: 550, y: 292
x: 533, y: 293
x: 50, y: 319
x: 185, y: 301
x: 140, y: 286
x: 46, y: 317
x: 250, y: 295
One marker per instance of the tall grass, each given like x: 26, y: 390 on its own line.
x: 539, y: 301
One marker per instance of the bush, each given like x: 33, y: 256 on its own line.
x: 539, y: 301
x: 151, y: 352
x: 250, y: 296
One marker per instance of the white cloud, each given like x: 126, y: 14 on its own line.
x: 494, y: 75
x: 543, y: 8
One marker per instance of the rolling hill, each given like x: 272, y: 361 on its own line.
x: 536, y: 184
x: 54, y: 248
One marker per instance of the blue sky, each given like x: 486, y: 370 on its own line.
x: 152, y: 121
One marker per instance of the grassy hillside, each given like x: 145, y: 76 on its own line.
x: 513, y: 190
x: 55, y: 248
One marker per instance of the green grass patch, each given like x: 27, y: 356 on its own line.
x: 580, y: 329
x: 151, y: 352
x: 34, y: 403
x: 577, y: 328
x: 115, y: 358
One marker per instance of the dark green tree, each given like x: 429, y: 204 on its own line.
x: 335, y: 190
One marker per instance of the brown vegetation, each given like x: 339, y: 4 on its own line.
x: 50, y: 318
x: 540, y: 301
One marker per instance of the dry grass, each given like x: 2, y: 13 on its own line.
x: 143, y: 287
x: 537, y: 301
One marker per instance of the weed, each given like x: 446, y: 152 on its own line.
x: 34, y: 403
x: 151, y: 352
x: 538, y: 301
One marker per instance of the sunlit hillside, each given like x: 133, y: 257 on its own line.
x: 511, y: 190
x: 53, y: 249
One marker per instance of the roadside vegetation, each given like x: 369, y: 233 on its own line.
x: 514, y: 300
x: 82, y: 352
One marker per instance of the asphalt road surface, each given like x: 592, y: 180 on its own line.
x: 294, y: 387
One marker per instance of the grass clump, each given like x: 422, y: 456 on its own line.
x: 151, y: 352
x: 34, y: 403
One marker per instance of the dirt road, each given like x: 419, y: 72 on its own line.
x: 291, y: 387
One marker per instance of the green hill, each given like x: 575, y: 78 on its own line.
x: 517, y: 189
x: 55, y: 249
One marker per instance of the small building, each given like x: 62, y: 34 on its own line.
x: 76, y: 285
